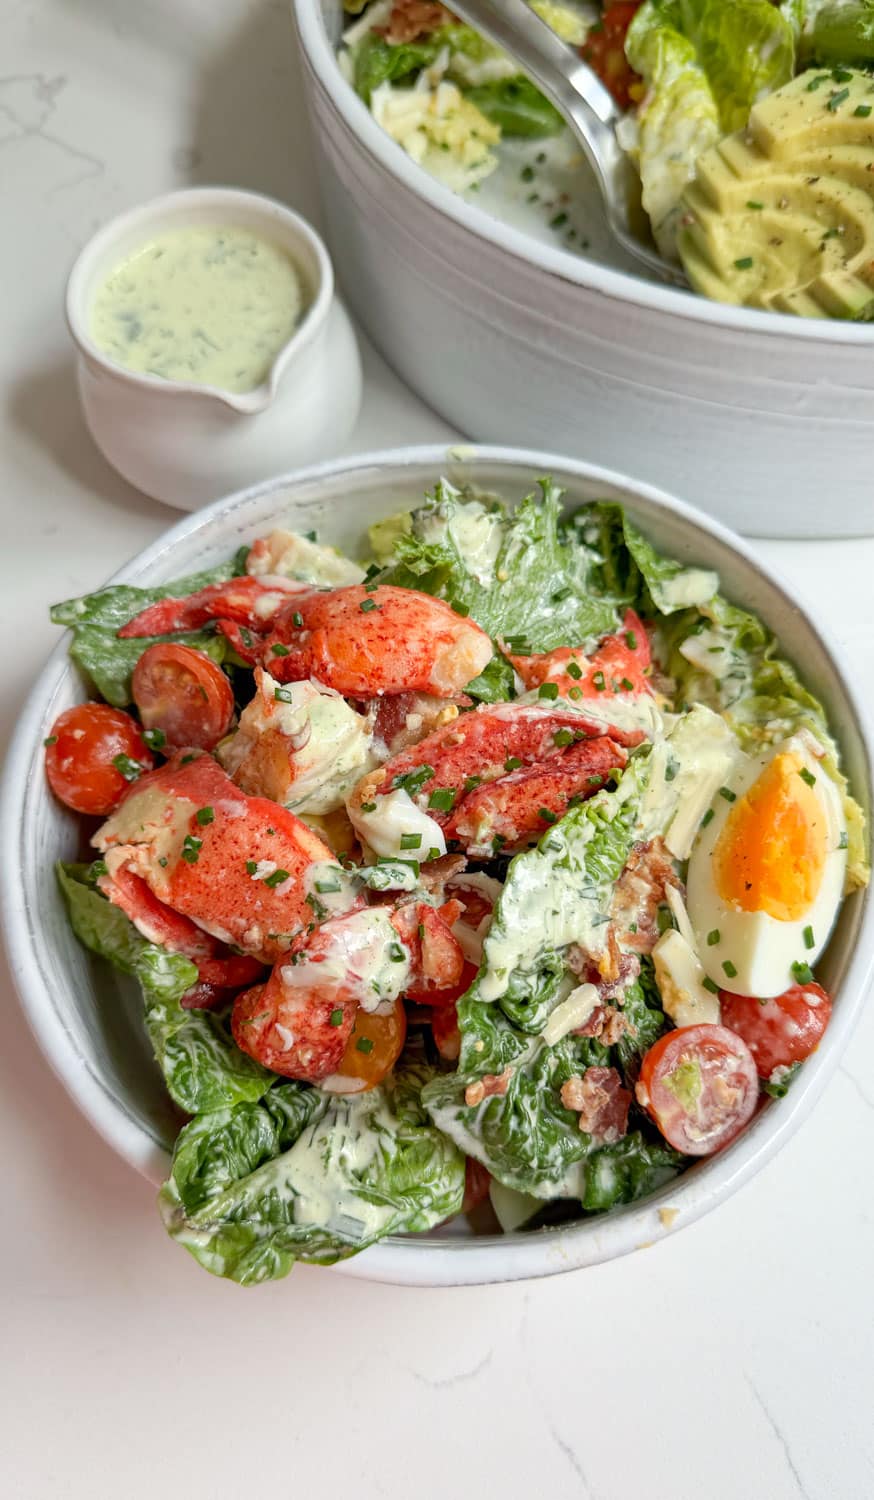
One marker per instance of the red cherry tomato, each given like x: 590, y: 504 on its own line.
x: 184, y: 694
x: 779, y: 1032
x: 699, y: 1085
x: 604, y: 50
x: 92, y: 755
x: 374, y: 1046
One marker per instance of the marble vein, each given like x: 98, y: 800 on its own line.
x: 781, y: 1439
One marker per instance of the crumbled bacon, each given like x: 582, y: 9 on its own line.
x: 434, y: 874
x: 601, y: 1101
x: 640, y: 891
x: 607, y: 1025
x: 411, y: 19
x: 626, y: 969
x: 488, y: 1085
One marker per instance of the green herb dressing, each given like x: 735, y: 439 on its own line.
x: 210, y: 305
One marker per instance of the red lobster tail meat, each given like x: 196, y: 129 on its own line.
x: 245, y: 601
x: 365, y: 642
x: 232, y: 863
x: 619, y: 665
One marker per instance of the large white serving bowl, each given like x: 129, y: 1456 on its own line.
x: 764, y: 420
x: 87, y: 1018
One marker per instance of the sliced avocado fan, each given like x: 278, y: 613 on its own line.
x: 781, y: 214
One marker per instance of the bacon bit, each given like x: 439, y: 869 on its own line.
x: 489, y: 1085
x: 607, y: 1025
x: 640, y: 891
x: 434, y: 874
x: 581, y: 963
x: 602, y: 1103
x: 411, y: 19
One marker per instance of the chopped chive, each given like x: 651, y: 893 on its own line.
x: 730, y: 969
x: 364, y: 1044
x: 728, y: 794
x: 709, y: 985
x: 498, y: 843
x: 558, y: 221
x: 246, y: 637
x: 841, y: 75
x: 707, y: 818
x: 862, y: 111
x: 411, y: 841
x: 191, y: 849
x: 396, y: 953
x: 574, y: 670
x: 156, y: 739
x: 834, y: 103
x: 595, y: 780
x: 297, y: 620
x: 671, y: 769
x: 311, y: 536
x: 575, y: 693
x: 52, y: 739
x: 442, y: 798
x: 205, y: 815
x: 336, y: 1017
x: 368, y: 604
x: 751, y: 203
x: 163, y: 861
x: 368, y: 807
x: 278, y: 877
x: 744, y: 263
x: 627, y: 684
x: 283, y: 695
x: 563, y: 737
x: 413, y: 781
x: 129, y: 769
x: 547, y: 816
x: 713, y: 938
x: 187, y: 759
x: 251, y: 866
x: 279, y: 650
x: 817, y: 82
x: 802, y: 972
x: 809, y: 939
x: 599, y: 682
x: 631, y: 640
x: 459, y: 608
x: 326, y: 887
x: 512, y: 763
x: 548, y: 690
x: 844, y: 840
x: 470, y: 782
x: 807, y: 776
x: 527, y: 174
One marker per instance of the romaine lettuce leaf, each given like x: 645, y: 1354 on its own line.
x: 836, y: 31
x: 465, y: 552
x: 517, y: 107
x: 112, y: 607
x: 202, y: 1066
x: 705, y: 64
x: 557, y: 893
x: 361, y: 1167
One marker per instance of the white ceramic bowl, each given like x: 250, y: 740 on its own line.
x: 185, y: 443
x: 764, y: 420
x: 87, y: 1018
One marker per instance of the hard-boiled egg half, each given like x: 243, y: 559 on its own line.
x: 766, y: 872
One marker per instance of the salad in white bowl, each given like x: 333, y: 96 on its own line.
x: 750, y: 124
x: 496, y: 867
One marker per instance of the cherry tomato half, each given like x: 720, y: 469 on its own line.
x: 374, y: 1046
x: 604, y: 50
x: 184, y: 694
x: 699, y: 1085
x: 92, y: 755
x: 779, y: 1032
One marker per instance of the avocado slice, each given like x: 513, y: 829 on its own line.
x: 781, y: 214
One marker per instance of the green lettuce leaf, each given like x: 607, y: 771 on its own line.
x: 557, y: 893
x: 361, y: 1167
x: 517, y: 107
x: 378, y: 62
x: 622, y: 565
x: 202, y: 1066
x: 705, y: 64
x: 548, y: 604
x: 836, y: 31
x: 628, y: 1169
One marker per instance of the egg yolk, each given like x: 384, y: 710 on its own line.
x: 770, y: 855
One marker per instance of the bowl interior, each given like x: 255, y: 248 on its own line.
x: 87, y: 1018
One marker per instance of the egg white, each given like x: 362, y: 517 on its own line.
x: 759, y: 947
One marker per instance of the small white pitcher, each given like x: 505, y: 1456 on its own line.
x: 187, y: 444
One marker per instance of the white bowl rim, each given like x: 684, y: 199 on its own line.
x: 139, y: 216
x: 426, y: 1261
x: 557, y: 262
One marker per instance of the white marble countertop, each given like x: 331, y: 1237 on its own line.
x: 734, y: 1360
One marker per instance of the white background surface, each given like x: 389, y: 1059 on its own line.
x: 732, y: 1361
